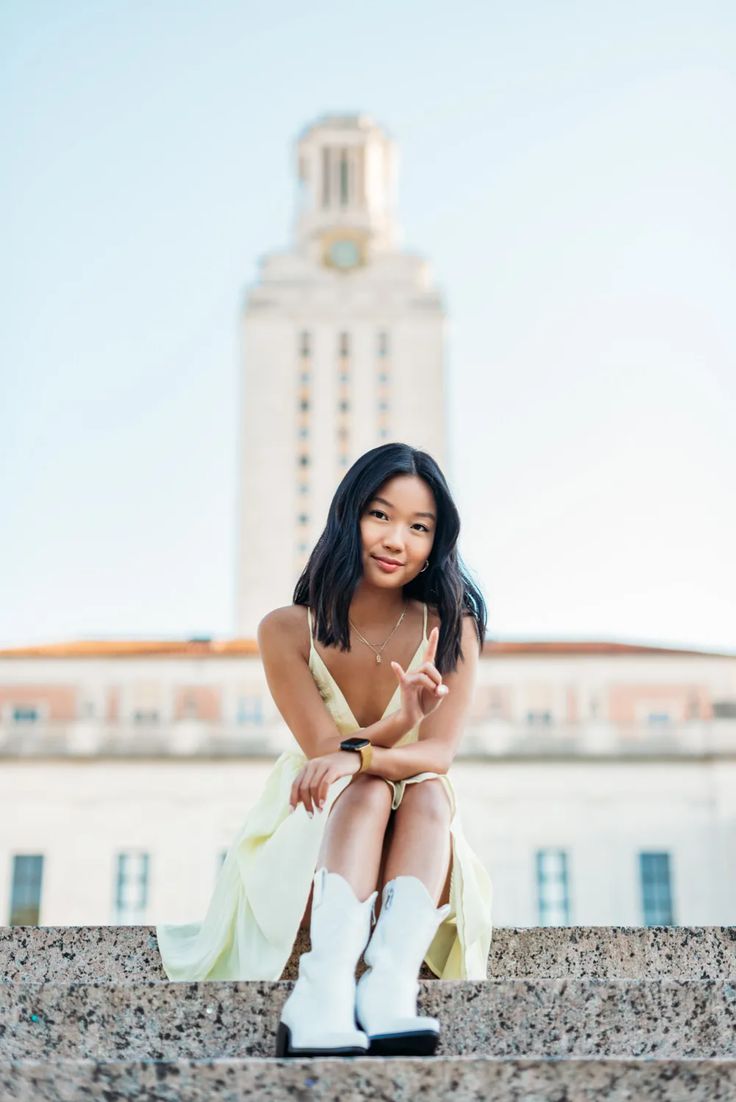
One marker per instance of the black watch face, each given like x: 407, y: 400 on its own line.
x: 354, y: 743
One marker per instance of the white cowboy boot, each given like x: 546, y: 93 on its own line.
x: 318, y: 1017
x: 386, y: 993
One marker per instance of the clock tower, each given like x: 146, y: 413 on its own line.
x: 343, y: 349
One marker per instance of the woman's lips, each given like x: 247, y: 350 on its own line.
x: 387, y: 566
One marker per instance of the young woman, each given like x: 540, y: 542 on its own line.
x: 372, y: 667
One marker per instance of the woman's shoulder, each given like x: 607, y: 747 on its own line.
x: 289, y: 622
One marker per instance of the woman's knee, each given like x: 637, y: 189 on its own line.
x: 365, y: 791
x: 427, y: 798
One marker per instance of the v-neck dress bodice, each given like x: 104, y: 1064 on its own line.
x: 334, y: 697
x: 263, y: 885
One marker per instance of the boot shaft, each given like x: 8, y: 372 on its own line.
x: 406, y: 925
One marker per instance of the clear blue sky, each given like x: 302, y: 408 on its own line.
x: 568, y: 168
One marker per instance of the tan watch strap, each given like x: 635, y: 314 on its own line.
x: 366, y: 755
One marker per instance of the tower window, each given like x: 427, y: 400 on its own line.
x: 383, y: 343
x: 305, y: 344
x: 325, y: 177
x: 344, y: 344
x: 344, y: 177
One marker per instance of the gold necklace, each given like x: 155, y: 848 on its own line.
x: 377, y: 650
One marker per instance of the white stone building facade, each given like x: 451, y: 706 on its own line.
x: 597, y: 782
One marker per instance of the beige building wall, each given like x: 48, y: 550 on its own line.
x: 163, y: 753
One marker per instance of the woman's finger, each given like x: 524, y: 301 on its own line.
x: 324, y: 788
x: 423, y: 681
x: 303, y: 790
x: 430, y: 669
x: 432, y: 640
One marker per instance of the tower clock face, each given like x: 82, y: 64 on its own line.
x: 344, y: 254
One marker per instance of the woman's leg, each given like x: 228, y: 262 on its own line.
x: 420, y: 844
x: 417, y: 872
x: 354, y: 835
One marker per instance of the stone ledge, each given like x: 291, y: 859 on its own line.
x: 522, y: 1017
x: 364, y: 1079
x: 129, y: 953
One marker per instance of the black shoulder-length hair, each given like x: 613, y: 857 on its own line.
x: 334, y: 568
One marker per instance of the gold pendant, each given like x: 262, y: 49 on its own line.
x: 378, y: 658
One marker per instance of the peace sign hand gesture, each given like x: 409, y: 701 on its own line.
x: 422, y: 690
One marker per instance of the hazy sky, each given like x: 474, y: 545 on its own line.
x: 568, y: 168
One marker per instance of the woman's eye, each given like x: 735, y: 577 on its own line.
x: 379, y: 512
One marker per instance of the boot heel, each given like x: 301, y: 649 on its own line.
x: 419, y: 1043
x: 283, y: 1040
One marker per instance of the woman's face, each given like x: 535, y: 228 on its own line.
x: 398, y: 524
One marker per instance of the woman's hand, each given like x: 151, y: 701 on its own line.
x: 422, y: 690
x: 314, y: 779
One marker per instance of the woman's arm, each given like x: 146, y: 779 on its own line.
x: 440, y: 731
x: 297, y: 697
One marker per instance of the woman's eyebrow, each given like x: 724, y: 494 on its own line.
x: 384, y: 502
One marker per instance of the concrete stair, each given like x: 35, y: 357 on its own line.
x: 567, y: 1013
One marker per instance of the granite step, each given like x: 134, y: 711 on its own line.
x: 121, y: 954
x: 668, y: 1018
x: 365, y: 1079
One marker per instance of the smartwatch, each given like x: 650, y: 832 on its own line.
x: 362, y: 746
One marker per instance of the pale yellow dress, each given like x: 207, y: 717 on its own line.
x: 263, y: 885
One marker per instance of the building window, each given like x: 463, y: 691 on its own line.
x: 131, y: 888
x: 344, y: 344
x: 303, y: 460
x: 383, y: 343
x: 658, y: 719
x: 656, y: 889
x: 25, y: 893
x: 553, y: 899
x: 25, y: 713
x: 724, y: 709
x: 145, y: 715
x: 539, y: 718
x: 250, y: 708
x: 305, y: 347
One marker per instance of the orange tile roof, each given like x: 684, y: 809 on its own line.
x: 236, y: 648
